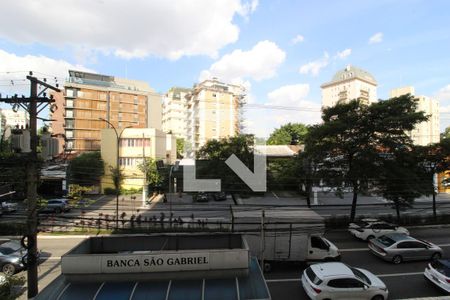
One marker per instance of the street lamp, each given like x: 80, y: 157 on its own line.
x: 117, y: 165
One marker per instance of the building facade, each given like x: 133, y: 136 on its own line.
x: 349, y: 84
x: 174, y: 112
x: 427, y: 132
x: 12, y: 119
x: 213, y: 111
x: 135, y: 145
x: 89, y: 99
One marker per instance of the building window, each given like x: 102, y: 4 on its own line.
x: 69, y: 93
x: 69, y: 134
x: 69, y: 103
x: 69, y: 113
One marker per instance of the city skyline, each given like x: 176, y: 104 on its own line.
x: 280, y: 51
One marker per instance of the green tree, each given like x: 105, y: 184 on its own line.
x: 149, y: 167
x: 347, y: 145
x: 446, y: 133
x: 13, y: 170
x: 212, y: 158
x: 288, y: 133
x: 433, y: 159
x: 117, y: 177
x: 180, y: 147
x: 400, y: 178
x: 86, y: 169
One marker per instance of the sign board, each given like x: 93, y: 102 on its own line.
x: 154, y: 262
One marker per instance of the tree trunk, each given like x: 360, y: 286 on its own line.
x: 397, y: 210
x: 355, y: 199
x: 434, y: 205
x: 308, y: 194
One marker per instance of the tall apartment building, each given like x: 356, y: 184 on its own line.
x: 426, y: 132
x: 174, y: 111
x: 89, y: 97
x: 349, y: 84
x: 213, y: 112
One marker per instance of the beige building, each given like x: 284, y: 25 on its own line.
x: 349, y: 84
x: 213, y: 112
x: 89, y: 97
x: 174, y: 111
x: 426, y: 132
x: 135, y: 144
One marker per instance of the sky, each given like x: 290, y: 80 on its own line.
x: 280, y: 50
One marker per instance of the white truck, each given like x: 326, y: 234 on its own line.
x: 284, y: 234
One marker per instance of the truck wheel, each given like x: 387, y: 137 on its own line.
x: 267, y: 267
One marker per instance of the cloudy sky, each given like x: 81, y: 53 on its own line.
x: 282, y: 51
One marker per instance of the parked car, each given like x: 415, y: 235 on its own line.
x: 8, y: 207
x: 219, y: 196
x: 367, y: 229
x: 56, y: 206
x: 438, y: 272
x: 11, y: 253
x: 335, y: 280
x: 201, y: 197
x: 398, y: 247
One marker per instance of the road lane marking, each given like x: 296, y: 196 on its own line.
x: 367, y: 249
x: 283, y: 280
x: 378, y: 275
x: 353, y: 249
x: 399, y: 274
x: 50, y: 257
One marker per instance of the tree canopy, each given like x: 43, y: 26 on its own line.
x: 211, y: 160
x: 348, y: 145
x: 286, y: 134
x: 86, y: 169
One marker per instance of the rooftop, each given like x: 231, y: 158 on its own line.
x: 331, y: 269
x: 107, y: 81
x: 252, y: 286
x: 351, y: 72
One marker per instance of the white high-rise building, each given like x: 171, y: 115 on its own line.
x: 426, y: 132
x: 174, y: 112
x: 213, y: 112
x: 349, y: 84
x: 20, y: 119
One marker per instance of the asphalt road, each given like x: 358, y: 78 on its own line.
x: 403, y: 281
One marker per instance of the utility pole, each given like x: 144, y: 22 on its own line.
x: 33, y: 105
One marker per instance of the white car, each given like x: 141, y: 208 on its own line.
x: 9, y: 206
x: 336, y: 280
x: 367, y: 229
x: 438, y: 272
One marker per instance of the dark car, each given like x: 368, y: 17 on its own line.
x: 220, y: 196
x: 11, y: 254
x: 201, y: 197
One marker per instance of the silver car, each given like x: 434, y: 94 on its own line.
x: 398, y: 247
